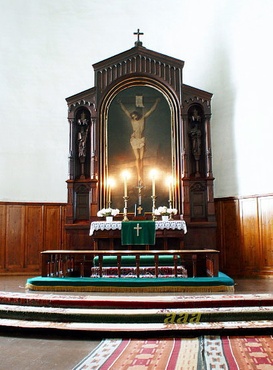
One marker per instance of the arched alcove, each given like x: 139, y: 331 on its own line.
x: 158, y: 112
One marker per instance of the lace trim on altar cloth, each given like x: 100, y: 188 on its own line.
x: 159, y: 225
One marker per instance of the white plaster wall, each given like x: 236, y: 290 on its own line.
x: 47, y: 51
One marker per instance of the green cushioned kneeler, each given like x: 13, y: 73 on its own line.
x: 222, y: 279
x: 130, y: 261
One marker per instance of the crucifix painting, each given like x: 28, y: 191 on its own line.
x: 139, y: 139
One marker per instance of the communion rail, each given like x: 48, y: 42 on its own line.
x: 62, y: 263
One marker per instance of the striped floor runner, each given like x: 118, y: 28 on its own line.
x: 205, y: 352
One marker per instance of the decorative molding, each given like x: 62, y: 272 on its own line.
x: 198, y: 186
x: 82, y: 187
x: 80, y: 103
x: 197, y: 99
x: 140, y: 64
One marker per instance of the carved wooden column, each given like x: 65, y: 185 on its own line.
x: 185, y: 168
x: 209, y: 172
x: 185, y: 147
x: 71, y: 150
x: 94, y: 159
x: 208, y: 146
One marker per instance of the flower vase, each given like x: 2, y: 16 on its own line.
x: 109, y: 218
x: 165, y: 218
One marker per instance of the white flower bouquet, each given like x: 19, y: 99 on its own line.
x: 106, y: 212
x: 165, y: 211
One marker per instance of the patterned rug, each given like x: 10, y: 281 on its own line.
x: 199, y: 353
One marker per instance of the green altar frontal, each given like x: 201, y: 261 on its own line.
x: 138, y: 233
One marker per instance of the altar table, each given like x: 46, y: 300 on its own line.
x: 169, y: 235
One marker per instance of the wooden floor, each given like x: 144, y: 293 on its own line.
x: 63, y: 352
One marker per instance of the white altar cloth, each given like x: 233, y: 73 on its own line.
x: 159, y: 225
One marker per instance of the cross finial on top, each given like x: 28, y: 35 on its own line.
x: 138, y: 33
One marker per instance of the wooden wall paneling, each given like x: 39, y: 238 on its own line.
x: 250, y: 240
x: 266, y: 233
x: 244, y: 235
x: 53, y: 227
x: 63, y: 218
x: 34, y: 236
x: 15, y: 237
x: 3, y: 213
x: 230, y: 253
x: 219, y: 234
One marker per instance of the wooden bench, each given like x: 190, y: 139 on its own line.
x: 61, y: 263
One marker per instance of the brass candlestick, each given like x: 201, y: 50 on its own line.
x: 170, y: 206
x: 153, y: 207
x: 125, y: 218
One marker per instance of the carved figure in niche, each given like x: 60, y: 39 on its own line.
x: 82, y: 120
x: 82, y: 139
x: 196, y: 138
x: 137, y: 139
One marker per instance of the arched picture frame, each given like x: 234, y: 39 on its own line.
x: 139, y: 140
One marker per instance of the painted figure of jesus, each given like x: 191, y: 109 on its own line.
x: 137, y: 140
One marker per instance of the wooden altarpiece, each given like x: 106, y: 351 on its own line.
x: 140, y: 84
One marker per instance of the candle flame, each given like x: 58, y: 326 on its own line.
x: 153, y: 173
x: 111, y: 182
x: 170, y: 181
x: 125, y: 174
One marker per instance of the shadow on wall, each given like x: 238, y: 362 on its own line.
x: 223, y: 123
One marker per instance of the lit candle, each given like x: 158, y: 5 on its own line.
x: 109, y: 191
x: 125, y: 186
x: 109, y: 195
x: 153, y: 175
x: 125, y: 177
x: 170, y: 181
